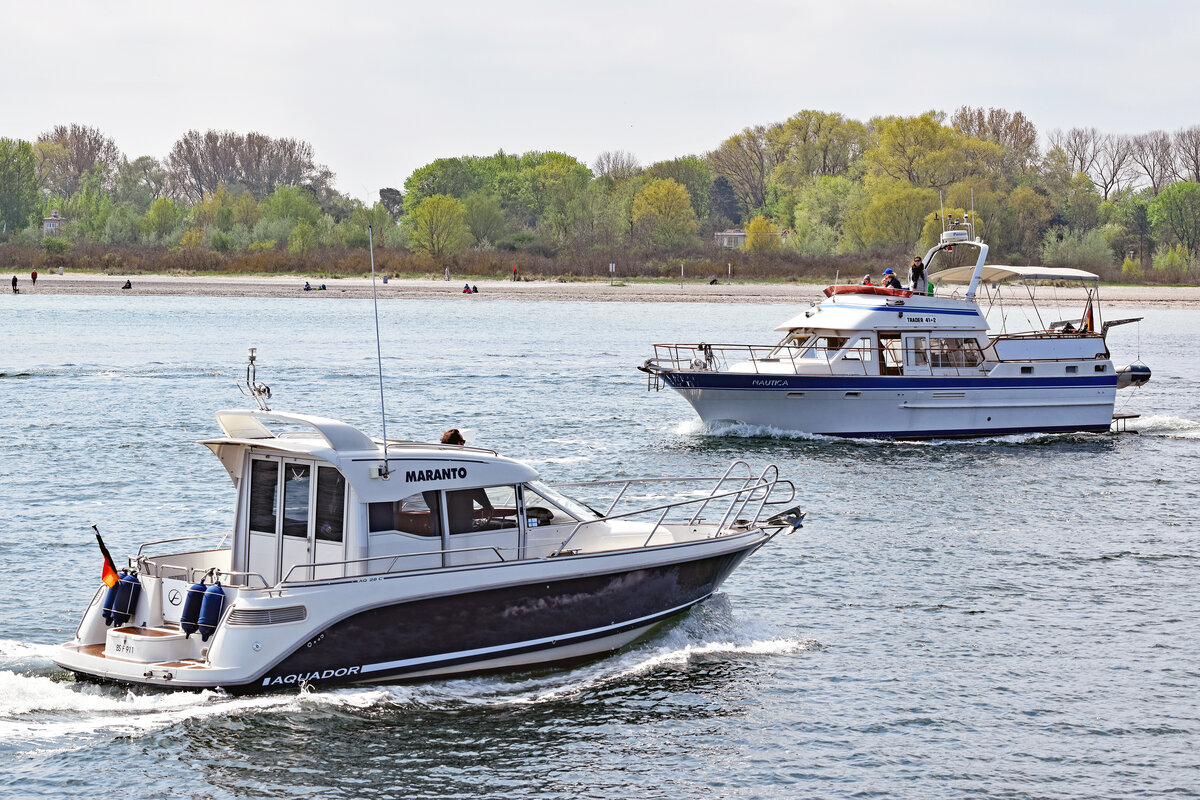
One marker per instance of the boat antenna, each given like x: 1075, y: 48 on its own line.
x: 385, y: 472
x: 942, y: 207
x: 252, y: 387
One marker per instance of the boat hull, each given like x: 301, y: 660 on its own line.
x: 900, y: 407
x: 403, y: 629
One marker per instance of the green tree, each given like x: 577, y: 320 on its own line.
x: 890, y: 216
x: 485, y: 218
x: 693, y: 174
x: 439, y: 226
x: 811, y: 144
x: 161, y: 219
x: 926, y: 153
x: 1176, y: 209
x: 18, y: 184
x: 761, y: 236
x: 292, y: 203
x: 664, y: 211
x: 303, y: 238
x: 121, y: 227
x: 1032, y: 212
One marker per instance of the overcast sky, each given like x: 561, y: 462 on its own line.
x: 380, y: 89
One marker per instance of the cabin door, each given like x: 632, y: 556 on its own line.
x: 313, y: 522
x: 296, y: 518
x: 916, y: 354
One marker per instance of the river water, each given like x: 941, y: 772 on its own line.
x: 1015, y: 617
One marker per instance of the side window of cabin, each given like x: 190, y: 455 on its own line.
x: 955, y: 352
x: 493, y: 508
x: 416, y: 514
x: 540, y: 511
x: 331, y: 504
x: 859, y: 351
x: 264, y: 483
x: 296, y: 479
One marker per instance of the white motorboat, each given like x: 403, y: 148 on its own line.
x: 353, y: 559
x: 876, y: 362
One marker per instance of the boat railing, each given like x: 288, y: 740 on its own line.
x: 749, y: 499
x: 391, y: 559
x: 220, y: 545
x: 764, y: 359
x: 754, y: 493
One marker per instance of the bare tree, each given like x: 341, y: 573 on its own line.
x: 1011, y: 130
x: 746, y: 161
x: 617, y: 164
x: 200, y: 162
x: 1082, y: 145
x: 1113, y: 169
x: 1187, y: 154
x: 1153, y: 153
x: 75, y: 150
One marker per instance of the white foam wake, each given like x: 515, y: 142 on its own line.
x: 40, y: 711
x: 1166, y: 425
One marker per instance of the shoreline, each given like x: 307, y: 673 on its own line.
x: 589, y: 291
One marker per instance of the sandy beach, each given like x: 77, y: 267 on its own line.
x: 593, y: 291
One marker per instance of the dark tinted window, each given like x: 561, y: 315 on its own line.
x: 296, y: 481
x: 264, y: 481
x: 331, y: 504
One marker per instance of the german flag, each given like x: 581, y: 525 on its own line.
x: 1088, y: 323
x: 108, y: 573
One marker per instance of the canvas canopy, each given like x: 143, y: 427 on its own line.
x: 994, y: 273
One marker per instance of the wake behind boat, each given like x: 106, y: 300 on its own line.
x: 356, y: 560
x: 876, y: 362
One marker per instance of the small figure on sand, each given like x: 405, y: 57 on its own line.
x: 15, y: 289
x: 128, y: 285
x: 33, y: 277
x: 466, y: 288
x: 474, y: 290
x: 514, y: 274
x: 307, y: 286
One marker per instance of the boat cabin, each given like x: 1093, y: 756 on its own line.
x: 316, y: 502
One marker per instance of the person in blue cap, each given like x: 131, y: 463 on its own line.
x: 890, y: 281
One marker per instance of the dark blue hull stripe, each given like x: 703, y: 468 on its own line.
x: 971, y: 433
x: 854, y: 383
x: 419, y: 635
x: 907, y: 309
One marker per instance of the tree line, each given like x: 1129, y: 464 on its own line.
x: 815, y: 189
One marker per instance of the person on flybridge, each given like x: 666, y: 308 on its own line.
x: 916, y: 276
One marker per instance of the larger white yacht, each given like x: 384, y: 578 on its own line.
x: 876, y: 362
x: 352, y: 559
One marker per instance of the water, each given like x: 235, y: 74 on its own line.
x: 1009, y: 618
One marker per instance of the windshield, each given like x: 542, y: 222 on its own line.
x: 571, y: 506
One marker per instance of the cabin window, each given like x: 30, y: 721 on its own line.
x: 493, y: 508
x: 1072, y: 369
x: 822, y: 346
x: 296, y: 479
x: 918, y: 354
x: 264, y: 483
x: 331, y: 504
x: 540, y: 498
x: 891, y: 353
x: 1026, y: 370
x: 859, y: 351
x: 410, y: 515
x: 955, y: 352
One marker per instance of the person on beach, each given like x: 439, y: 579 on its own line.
x: 916, y: 276
x: 466, y: 288
x: 128, y: 285
x: 33, y: 277
x: 474, y: 290
x: 890, y: 281
x: 514, y: 274
x: 15, y: 289
x: 307, y: 286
